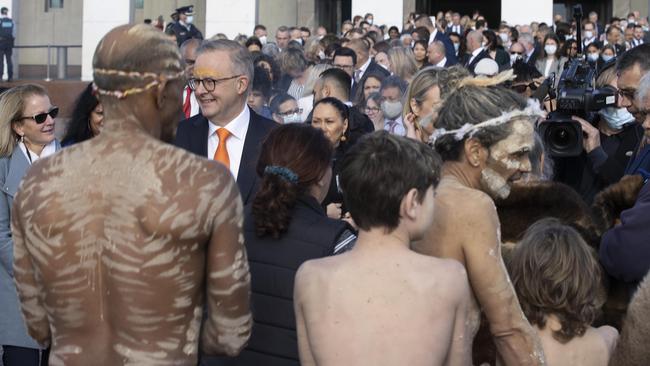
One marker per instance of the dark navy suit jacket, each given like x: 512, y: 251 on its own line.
x: 450, y: 52
x: 192, y: 135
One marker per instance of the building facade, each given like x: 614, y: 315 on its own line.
x: 80, y: 24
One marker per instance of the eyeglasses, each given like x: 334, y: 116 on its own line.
x: 293, y: 111
x: 343, y: 66
x: 521, y: 88
x: 372, y: 109
x: 42, y: 117
x: 627, y: 93
x: 208, y: 83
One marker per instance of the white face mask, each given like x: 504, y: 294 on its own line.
x: 504, y: 37
x: 607, y: 58
x: 593, y: 56
x: 189, y: 19
x: 514, y: 57
x: 370, y: 21
x: 456, y: 47
x: 292, y: 118
x: 550, y: 49
x: 391, y: 110
x: 631, y: 21
x: 263, y: 40
x: 616, y: 117
x: 589, y: 34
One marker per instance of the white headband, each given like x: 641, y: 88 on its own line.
x: 532, y: 110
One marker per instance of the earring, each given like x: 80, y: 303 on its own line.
x: 343, y: 138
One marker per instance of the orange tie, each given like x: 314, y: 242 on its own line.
x: 221, y: 155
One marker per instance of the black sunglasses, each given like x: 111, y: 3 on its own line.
x: 42, y: 117
x: 521, y: 88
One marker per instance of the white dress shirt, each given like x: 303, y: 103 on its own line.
x: 547, y: 67
x: 442, y: 62
x: 194, y: 104
x: 238, y: 128
x: 48, y: 150
x: 474, y: 54
x: 456, y: 29
x: 399, y: 128
x: 362, y: 70
x: 432, y: 36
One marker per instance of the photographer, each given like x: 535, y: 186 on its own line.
x: 607, y: 146
x: 630, y: 68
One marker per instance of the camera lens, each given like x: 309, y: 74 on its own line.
x: 561, y: 137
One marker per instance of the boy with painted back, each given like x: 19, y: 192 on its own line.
x: 558, y: 282
x: 381, y: 303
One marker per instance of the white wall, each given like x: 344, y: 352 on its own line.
x: 385, y: 12
x: 526, y: 11
x: 230, y: 17
x: 99, y: 17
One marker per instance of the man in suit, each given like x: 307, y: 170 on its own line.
x: 436, y: 35
x: 531, y: 54
x: 437, y: 55
x: 188, y: 53
x: 455, y: 26
x: 365, y: 65
x: 476, y: 51
x: 227, y: 130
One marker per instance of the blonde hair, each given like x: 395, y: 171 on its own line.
x: 313, y: 74
x: 606, y: 77
x: 446, y: 79
x: 402, y: 61
x: 12, y: 106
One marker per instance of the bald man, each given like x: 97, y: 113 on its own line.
x: 120, y: 242
x: 475, y: 51
x: 437, y: 56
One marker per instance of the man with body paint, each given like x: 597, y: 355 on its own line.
x: 119, y: 244
x: 381, y: 303
x: 484, y: 135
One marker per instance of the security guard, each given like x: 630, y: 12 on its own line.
x: 7, y: 36
x: 184, y: 29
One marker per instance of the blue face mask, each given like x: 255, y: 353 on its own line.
x: 607, y: 58
x: 616, y: 117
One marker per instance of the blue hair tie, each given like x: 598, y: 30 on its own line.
x: 282, y: 172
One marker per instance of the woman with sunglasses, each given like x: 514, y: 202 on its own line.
x: 26, y: 135
x: 527, y: 79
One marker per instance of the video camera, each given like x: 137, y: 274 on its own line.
x: 576, y: 96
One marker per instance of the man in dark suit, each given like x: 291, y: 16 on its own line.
x: 437, y: 55
x: 476, y: 51
x: 531, y: 49
x: 455, y: 26
x: 364, y: 66
x: 436, y: 35
x: 227, y: 130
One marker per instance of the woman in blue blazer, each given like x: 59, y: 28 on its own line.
x: 26, y: 135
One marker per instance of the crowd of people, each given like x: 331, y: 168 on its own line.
x: 377, y: 196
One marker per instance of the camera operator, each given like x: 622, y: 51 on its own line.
x: 630, y: 68
x: 608, y: 143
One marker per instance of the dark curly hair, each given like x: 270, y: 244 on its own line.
x: 79, y: 126
x: 305, y: 151
x: 555, y: 272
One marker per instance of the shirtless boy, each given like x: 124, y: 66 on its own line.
x: 121, y: 240
x: 381, y: 303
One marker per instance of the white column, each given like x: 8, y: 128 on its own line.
x: 526, y: 11
x: 230, y: 17
x: 99, y: 17
x: 385, y: 12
